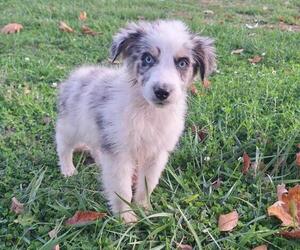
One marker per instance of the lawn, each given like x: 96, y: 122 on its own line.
x: 253, y: 108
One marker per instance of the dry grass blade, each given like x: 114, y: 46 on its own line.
x: 237, y: 51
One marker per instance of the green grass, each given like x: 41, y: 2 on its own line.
x: 252, y: 108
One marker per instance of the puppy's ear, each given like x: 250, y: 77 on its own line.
x: 125, y: 41
x: 204, y: 55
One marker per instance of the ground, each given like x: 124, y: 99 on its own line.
x: 249, y: 107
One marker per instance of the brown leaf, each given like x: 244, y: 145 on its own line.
x: 216, y: 184
x: 261, y: 247
x: 237, y: 51
x: 277, y: 209
x: 194, y: 90
x: 228, y: 221
x: 141, y: 18
x: 84, y: 217
x: 280, y: 191
x: 246, y: 163
x: 56, y: 247
x: 206, y: 84
x: 16, y: 206
x: 255, y: 59
x: 64, y: 27
x: 294, y: 234
x: 183, y: 246
x: 201, y: 132
x: 88, y: 31
x: 82, y: 15
x: 12, y: 28
x: 298, y: 159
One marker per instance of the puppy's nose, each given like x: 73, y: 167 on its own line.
x: 160, y: 93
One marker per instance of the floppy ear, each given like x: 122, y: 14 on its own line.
x: 125, y: 40
x: 204, y: 55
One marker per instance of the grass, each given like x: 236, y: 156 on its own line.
x: 252, y: 108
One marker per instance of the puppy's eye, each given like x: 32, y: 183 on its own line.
x: 147, y: 59
x: 182, y: 63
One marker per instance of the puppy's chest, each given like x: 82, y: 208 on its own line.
x: 148, y: 135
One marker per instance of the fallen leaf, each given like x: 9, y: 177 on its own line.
x: 237, y: 51
x: 294, y: 234
x: 208, y: 12
x: 255, y: 59
x: 56, y: 247
x: 206, y: 84
x: 228, y: 221
x: 27, y: 90
x: 183, y: 246
x: 193, y: 89
x: 280, y: 191
x: 246, y: 163
x: 16, y: 206
x: 82, y: 15
x: 278, y: 210
x: 141, y: 18
x: 84, y: 217
x: 64, y: 27
x: 298, y: 159
x: 88, y: 31
x: 12, y: 28
x: 288, y: 208
x: 261, y: 247
x: 216, y: 184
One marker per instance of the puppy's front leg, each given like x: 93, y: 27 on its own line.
x: 117, y: 173
x: 148, y: 177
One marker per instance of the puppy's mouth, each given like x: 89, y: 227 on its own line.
x: 160, y: 104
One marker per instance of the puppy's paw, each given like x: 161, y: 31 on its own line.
x: 129, y: 217
x: 67, y: 172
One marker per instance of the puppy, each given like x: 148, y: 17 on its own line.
x: 131, y: 117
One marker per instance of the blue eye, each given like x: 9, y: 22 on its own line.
x: 182, y: 63
x: 147, y: 59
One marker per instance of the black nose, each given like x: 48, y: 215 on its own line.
x: 161, y: 94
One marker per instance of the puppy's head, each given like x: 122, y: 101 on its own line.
x: 163, y: 57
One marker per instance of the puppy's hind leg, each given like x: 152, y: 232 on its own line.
x: 65, y: 154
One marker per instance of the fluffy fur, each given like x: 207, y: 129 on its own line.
x: 131, y: 117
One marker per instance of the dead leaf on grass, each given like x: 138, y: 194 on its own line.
x: 206, y: 84
x: 237, y: 51
x: 193, y: 89
x: 294, y: 234
x: 85, y: 217
x: 64, y: 27
x: 261, y: 247
x: 216, y: 184
x: 228, y: 221
x: 56, y: 247
x: 88, y: 31
x: 16, y: 206
x: 46, y: 120
x: 280, y: 191
x: 288, y: 208
x: 255, y: 59
x: 12, y: 28
x: 298, y: 159
x: 183, y: 246
x: 246, y: 163
x: 82, y: 15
